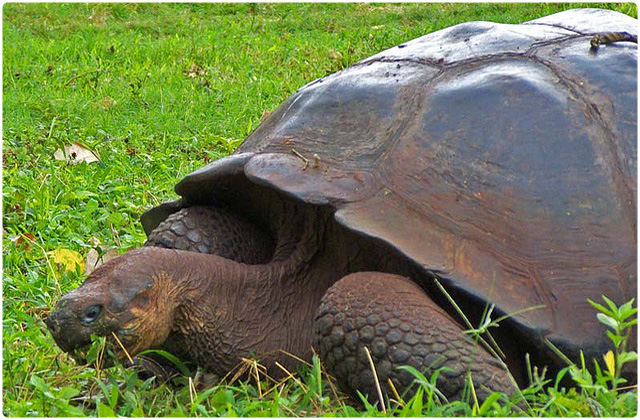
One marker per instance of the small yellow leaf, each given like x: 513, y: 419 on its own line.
x: 67, y: 258
x: 610, y: 361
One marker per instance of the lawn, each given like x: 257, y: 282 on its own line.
x: 157, y: 91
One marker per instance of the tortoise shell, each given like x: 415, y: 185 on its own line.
x: 500, y: 157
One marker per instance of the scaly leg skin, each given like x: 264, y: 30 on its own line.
x: 213, y: 230
x: 400, y: 325
x: 158, y: 368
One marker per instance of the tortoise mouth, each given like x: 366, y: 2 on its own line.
x: 78, y: 340
x: 105, y: 357
x: 66, y: 332
x: 80, y: 354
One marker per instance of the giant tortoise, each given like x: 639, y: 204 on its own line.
x: 486, y: 164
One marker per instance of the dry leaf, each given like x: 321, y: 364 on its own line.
x: 39, y: 311
x: 108, y: 102
x: 76, y: 153
x: 265, y: 115
x: 24, y: 241
x: 335, y: 55
x: 67, y: 258
x: 194, y: 70
x: 94, y: 260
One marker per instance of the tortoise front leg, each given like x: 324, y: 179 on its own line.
x: 213, y: 230
x: 400, y: 325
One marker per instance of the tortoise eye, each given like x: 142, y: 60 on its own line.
x: 91, y: 314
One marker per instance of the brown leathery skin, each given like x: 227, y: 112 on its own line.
x: 400, y: 325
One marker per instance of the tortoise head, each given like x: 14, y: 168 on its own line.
x: 130, y: 297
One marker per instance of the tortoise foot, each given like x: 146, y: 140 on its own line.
x: 399, y: 325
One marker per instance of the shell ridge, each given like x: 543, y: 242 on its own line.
x: 551, y: 25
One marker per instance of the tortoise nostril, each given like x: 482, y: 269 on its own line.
x: 52, y: 321
x: 51, y: 324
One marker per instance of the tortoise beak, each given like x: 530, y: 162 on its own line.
x: 67, y: 331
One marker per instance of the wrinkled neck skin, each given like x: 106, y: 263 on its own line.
x: 225, y: 311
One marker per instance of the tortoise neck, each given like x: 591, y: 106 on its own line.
x: 196, y: 275
x: 232, y: 310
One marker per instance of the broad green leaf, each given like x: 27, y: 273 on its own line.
x: 608, y: 321
x: 38, y: 383
x: 572, y: 404
x: 599, y: 307
x: 113, y: 398
x: 627, y: 308
x: 138, y: 412
x: 170, y: 357
x: 105, y: 411
x: 204, y: 395
x: 615, y: 338
x: 67, y: 393
x: 628, y: 356
x: 73, y: 411
x: 611, y: 304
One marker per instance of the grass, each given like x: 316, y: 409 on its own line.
x: 158, y: 90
